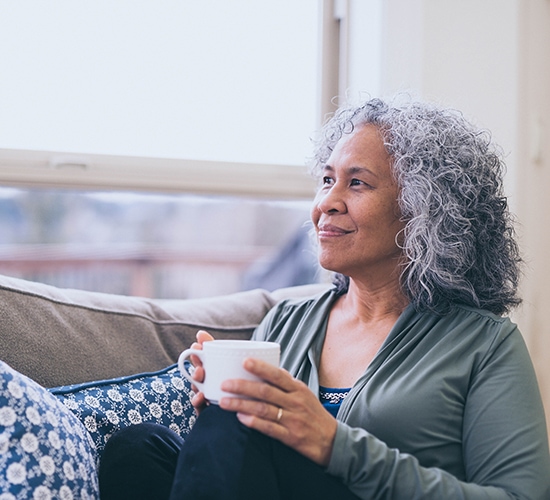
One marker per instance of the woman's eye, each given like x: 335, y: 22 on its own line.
x: 359, y: 182
x: 327, y: 180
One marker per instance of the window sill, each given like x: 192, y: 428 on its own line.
x: 105, y: 172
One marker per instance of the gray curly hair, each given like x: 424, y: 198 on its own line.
x: 459, y: 240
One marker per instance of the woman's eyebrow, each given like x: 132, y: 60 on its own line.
x: 352, y: 170
x: 361, y: 170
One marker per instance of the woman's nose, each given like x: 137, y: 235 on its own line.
x: 331, y: 200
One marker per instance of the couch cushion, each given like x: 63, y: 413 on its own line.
x: 45, y: 452
x: 60, y: 336
x: 106, y: 406
x: 63, y: 336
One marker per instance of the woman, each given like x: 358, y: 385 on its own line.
x: 433, y: 391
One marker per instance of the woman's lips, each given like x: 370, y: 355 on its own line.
x: 329, y: 231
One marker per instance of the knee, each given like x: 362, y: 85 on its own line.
x: 141, y: 442
x: 139, y: 462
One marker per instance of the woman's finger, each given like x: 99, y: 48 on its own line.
x: 198, y: 373
x: 295, y: 418
x: 198, y: 401
x: 203, y: 336
x: 275, y: 376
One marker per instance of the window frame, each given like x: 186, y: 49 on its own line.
x: 26, y: 168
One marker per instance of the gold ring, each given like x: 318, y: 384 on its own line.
x: 279, y: 414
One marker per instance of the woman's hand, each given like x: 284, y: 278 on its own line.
x: 283, y: 408
x: 198, y: 400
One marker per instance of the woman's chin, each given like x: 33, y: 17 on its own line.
x: 331, y: 265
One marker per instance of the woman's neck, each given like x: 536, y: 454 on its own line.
x: 358, y: 325
x: 369, y: 303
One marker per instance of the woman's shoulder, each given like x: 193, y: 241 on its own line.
x: 461, y: 314
x: 292, y: 314
x: 462, y: 325
x: 473, y: 315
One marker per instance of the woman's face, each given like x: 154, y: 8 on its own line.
x: 355, y: 212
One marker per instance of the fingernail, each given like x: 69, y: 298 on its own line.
x: 243, y: 419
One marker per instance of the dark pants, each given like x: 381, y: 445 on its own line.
x: 220, y: 459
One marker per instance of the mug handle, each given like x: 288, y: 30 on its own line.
x: 183, y: 370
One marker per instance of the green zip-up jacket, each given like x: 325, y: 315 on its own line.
x: 448, y: 409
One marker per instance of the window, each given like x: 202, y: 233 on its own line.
x: 92, y: 90
x: 106, y: 104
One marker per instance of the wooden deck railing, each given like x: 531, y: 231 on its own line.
x: 139, y: 263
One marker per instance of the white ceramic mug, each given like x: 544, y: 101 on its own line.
x: 223, y: 360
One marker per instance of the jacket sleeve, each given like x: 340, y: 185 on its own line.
x: 505, y: 444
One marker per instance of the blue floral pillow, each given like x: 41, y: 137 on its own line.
x: 45, y: 452
x: 106, y: 406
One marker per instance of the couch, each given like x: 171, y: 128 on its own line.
x: 75, y: 366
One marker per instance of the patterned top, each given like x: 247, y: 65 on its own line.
x: 332, y: 398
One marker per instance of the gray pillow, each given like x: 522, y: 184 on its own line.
x: 60, y: 336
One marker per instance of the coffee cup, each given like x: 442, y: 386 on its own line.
x: 223, y: 360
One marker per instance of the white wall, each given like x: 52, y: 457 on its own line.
x: 533, y: 181
x: 463, y: 54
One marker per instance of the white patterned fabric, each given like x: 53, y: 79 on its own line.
x: 45, y: 452
x: 104, y: 407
